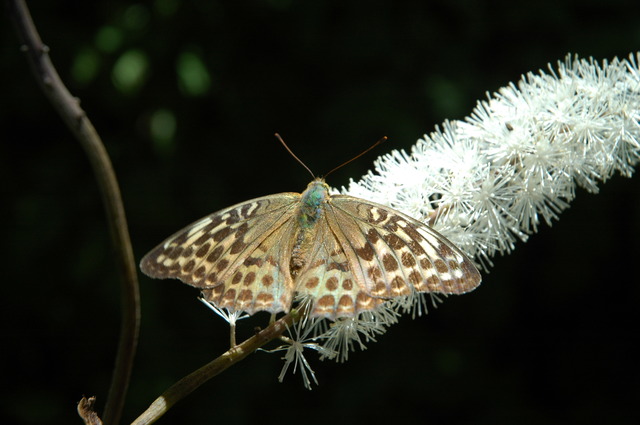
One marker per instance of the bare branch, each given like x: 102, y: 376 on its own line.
x: 72, y: 114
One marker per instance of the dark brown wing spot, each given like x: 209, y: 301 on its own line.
x: 390, y: 263
x: 399, y: 286
x: 188, y: 252
x: 202, y: 239
x: 244, y: 211
x: 213, y: 294
x: 267, y: 280
x: 215, y: 254
x: 382, y: 215
x: 215, y: 222
x: 408, y: 260
x: 415, y: 278
x: 245, y: 296
x: 331, y: 284
x: 222, y: 264
x: 394, y: 241
x: 374, y: 272
x: 232, y: 218
x: 312, y: 282
x: 203, y: 250
x: 222, y: 233
x: 364, y: 302
x: 325, y: 304
x: 237, y: 246
x: 415, y: 247
x: 441, y: 266
x: 264, y: 300
x: 241, y: 230
x: 413, y: 233
x: 249, y: 278
x: 229, y: 296
x: 445, y: 250
x: 199, y: 273
x: 189, y: 266
x: 346, y: 305
x: 373, y: 236
x: 237, y: 277
x: 380, y: 289
x: 366, y: 252
x: 433, y: 284
x: 253, y: 261
x: 174, y: 252
x: 347, y: 284
x: 450, y: 286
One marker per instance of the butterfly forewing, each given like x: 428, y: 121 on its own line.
x: 238, y: 241
x: 396, y: 253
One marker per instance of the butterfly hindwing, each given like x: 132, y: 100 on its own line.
x: 328, y: 278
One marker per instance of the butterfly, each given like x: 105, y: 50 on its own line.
x: 344, y: 254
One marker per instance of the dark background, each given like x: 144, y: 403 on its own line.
x: 550, y: 337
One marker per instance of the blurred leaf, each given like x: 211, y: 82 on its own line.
x: 109, y: 38
x: 130, y: 71
x: 135, y: 17
x: 85, y: 66
x: 162, y: 127
x: 193, y: 76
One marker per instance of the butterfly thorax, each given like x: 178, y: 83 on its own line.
x: 311, y: 202
x: 308, y: 214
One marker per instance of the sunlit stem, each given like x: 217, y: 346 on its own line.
x: 232, y: 334
x: 189, y: 383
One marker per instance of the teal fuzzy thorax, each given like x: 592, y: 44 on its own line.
x: 312, y: 199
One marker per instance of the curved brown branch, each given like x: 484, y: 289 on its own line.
x: 72, y: 114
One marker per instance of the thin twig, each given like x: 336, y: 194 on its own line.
x: 72, y: 114
x: 189, y: 383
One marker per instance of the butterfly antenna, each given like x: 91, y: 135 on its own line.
x: 384, y: 139
x: 294, y: 155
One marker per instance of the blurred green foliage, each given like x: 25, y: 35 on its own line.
x: 187, y: 96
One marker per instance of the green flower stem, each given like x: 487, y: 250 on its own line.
x: 189, y: 383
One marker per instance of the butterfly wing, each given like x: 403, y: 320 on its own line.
x: 238, y: 255
x: 392, y: 254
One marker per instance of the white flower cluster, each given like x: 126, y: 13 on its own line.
x: 488, y: 181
